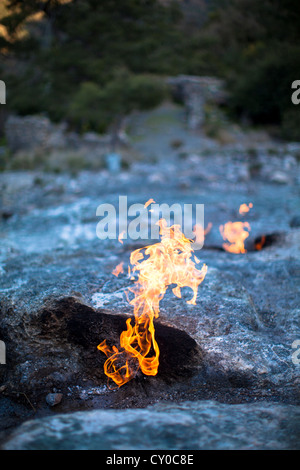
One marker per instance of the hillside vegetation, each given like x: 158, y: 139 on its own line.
x: 87, y: 61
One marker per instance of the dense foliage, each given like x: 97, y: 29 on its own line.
x: 89, y: 60
x: 258, y: 51
x: 82, y: 58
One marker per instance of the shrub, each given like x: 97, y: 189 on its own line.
x: 263, y: 91
x: 95, y: 108
x: 86, y: 108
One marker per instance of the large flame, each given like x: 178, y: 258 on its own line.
x: 158, y: 266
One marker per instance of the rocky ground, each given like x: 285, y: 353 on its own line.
x: 226, y: 378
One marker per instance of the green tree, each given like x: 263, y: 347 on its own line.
x: 256, y: 47
x: 87, y: 41
x: 94, y: 107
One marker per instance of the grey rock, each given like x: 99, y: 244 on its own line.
x: 195, y: 93
x: 54, y: 399
x: 183, y: 426
x: 59, y: 299
x: 295, y: 221
x: 92, y: 139
x: 280, y: 177
x: 38, y: 134
x: 247, y: 312
x: 27, y: 133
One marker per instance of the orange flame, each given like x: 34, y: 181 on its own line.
x: 235, y: 234
x: 260, y: 243
x: 118, y: 269
x: 158, y: 266
x: 149, y: 202
x: 244, y: 208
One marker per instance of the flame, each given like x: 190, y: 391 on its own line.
x: 150, y: 201
x: 235, y: 233
x: 121, y: 236
x: 260, y: 243
x: 200, y: 232
x: 244, y: 208
x: 158, y: 266
x: 118, y: 269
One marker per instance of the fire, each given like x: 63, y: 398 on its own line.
x: 158, y: 266
x: 200, y: 232
x: 121, y: 236
x: 235, y: 233
x: 260, y: 243
x: 244, y: 208
x: 149, y: 202
x: 118, y: 270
